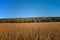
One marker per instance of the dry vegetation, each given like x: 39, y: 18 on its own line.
x: 30, y: 31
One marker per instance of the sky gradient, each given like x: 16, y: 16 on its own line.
x: 29, y: 8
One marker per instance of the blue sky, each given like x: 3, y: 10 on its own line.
x: 29, y: 8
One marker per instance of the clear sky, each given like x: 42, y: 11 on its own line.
x: 29, y: 8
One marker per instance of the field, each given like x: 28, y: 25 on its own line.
x: 30, y: 31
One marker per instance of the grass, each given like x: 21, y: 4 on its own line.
x: 30, y: 31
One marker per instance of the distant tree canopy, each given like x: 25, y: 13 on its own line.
x: 30, y: 20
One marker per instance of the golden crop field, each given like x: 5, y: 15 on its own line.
x: 30, y: 31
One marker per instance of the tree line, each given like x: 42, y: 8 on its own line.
x: 30, y: 20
